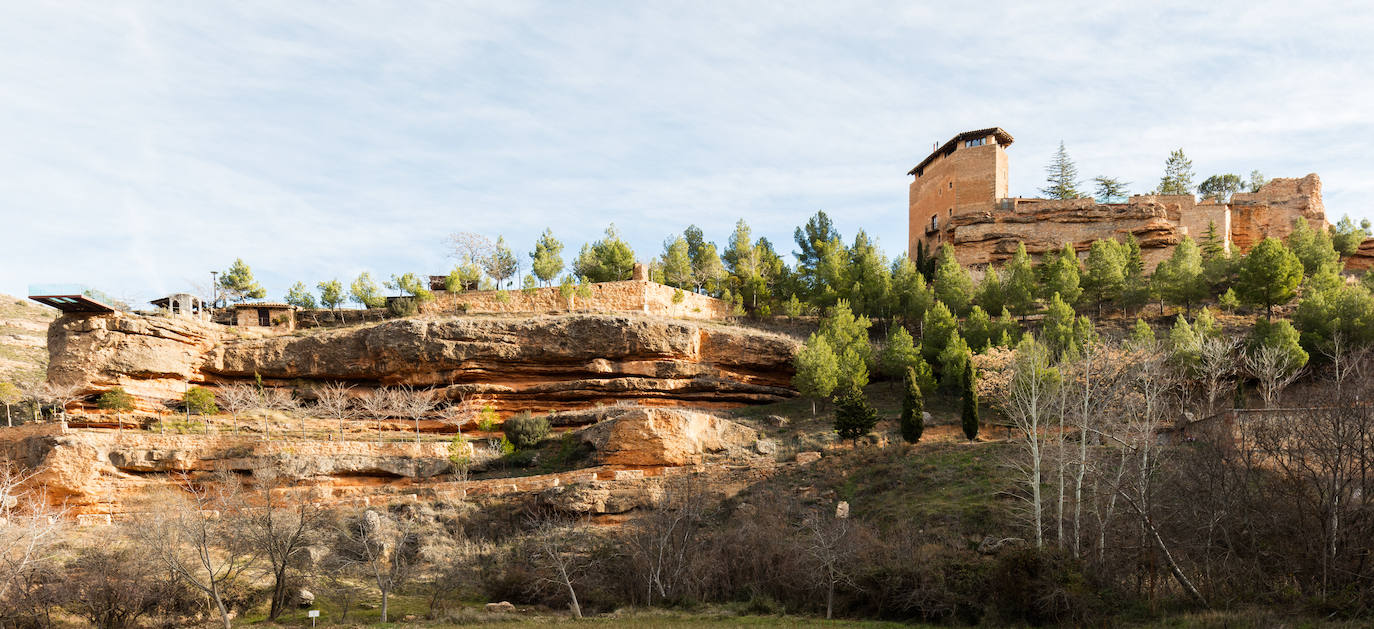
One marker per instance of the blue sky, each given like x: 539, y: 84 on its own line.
x: 143, y: 145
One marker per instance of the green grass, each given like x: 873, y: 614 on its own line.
x: 474, y: 615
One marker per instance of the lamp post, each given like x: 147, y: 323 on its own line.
x: 214, y: 291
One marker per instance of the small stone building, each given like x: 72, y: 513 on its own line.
x: 265, y: 315
x: 183, y: 305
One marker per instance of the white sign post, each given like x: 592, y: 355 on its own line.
x: 313, y: 614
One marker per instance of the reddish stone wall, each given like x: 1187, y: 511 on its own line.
x: 1273, y: 210
x: 629, y: 296
x: 967, y: 180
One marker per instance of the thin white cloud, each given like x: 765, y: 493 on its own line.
x: 146, y: 144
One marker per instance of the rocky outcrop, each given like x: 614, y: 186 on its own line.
x: 542, y: 363
x: 151, y: 357
x: 991, y: 237
x: 102, y: 472
x: 1363, y: 258
x: 658, y: 437
x: 1271, y: 211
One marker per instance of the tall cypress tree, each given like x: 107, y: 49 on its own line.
x: 913, y: 409
x: 970, y: 399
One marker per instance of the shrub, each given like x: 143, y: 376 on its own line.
x: 116, y: 399
x: 678, y: 296
x: 853, y: 415
x: 525, y: 430
x: 201, y: 401
x: 913, y: 409
x: 486, y: 419
x: 403, y: 306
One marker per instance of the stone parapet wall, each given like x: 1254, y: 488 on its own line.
x: 634, y: 296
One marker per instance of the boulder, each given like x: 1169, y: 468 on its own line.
x: 504, y: 607
x: 663, y: 436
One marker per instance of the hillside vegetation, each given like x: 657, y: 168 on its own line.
x: 23, y: 339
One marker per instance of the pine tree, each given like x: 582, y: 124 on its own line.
x: 990, y: 294
x: 1019, y: 289
x: 952, y: 360
x: 899, y: 355
x: 677, y: 264
x: 969, y: 414
x: 1219, y: 188
x: 953, y: 285
x: 1135, y: 288
x: 1185, y: 346
x: 817, y: 370
x: 1061, y: 176
x: 1142, y: 336
x: 1179, y: 278
x: 1228, y: 300
x: 1110, y: 189
x: 300, y: 296
x: 546, y: 260
x: 238, y: 283
x: 331, y: 294
x: 1178, y: 175
x: 1057, y: 327
x: 1313, y: 248
x: 910, y: 297
x: 502, y: 264
x: 364, y: 292
x: 1269, y: 275
x: 1346, y: 236
x: 913, y: 409
x: 936, y: 328
x: 854, y: 417
x: 1060, y: 274
x: 1105, y: 275
x: 848, y: 337
x: 978, y: 329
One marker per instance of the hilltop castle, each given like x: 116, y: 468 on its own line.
x: 959, y: 196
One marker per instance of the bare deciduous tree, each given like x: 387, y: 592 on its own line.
x: 238, y: 399
x: 1274, y: 368
x: 414, y: 404
x: 1216, y: 362
x: 29, y: 530
x: 384, y: 547
x: 335, y: 400
x: 377, y: 403
x: 559, y: 547
x: 196, y: 535
x: 1027, y: 404
x: 827, y: 540
x: 281, y: 525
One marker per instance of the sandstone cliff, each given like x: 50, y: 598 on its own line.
x: 535, y: 363
x: 95, y: 472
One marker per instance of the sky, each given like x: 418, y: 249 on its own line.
x: 143, y: 145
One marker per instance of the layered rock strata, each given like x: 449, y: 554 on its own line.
x: 530, y: 363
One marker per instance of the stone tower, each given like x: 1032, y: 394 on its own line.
x: 968, y: 173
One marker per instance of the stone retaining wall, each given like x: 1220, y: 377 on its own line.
x: 637, y: 296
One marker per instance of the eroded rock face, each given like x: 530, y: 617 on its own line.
x: 533, y: 363
x: 1271, y: 211
x: 658, y: 437
x: 150, y: 357
x: 1363, y: 258
x: 102, y: 472
x: 991, y: 237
